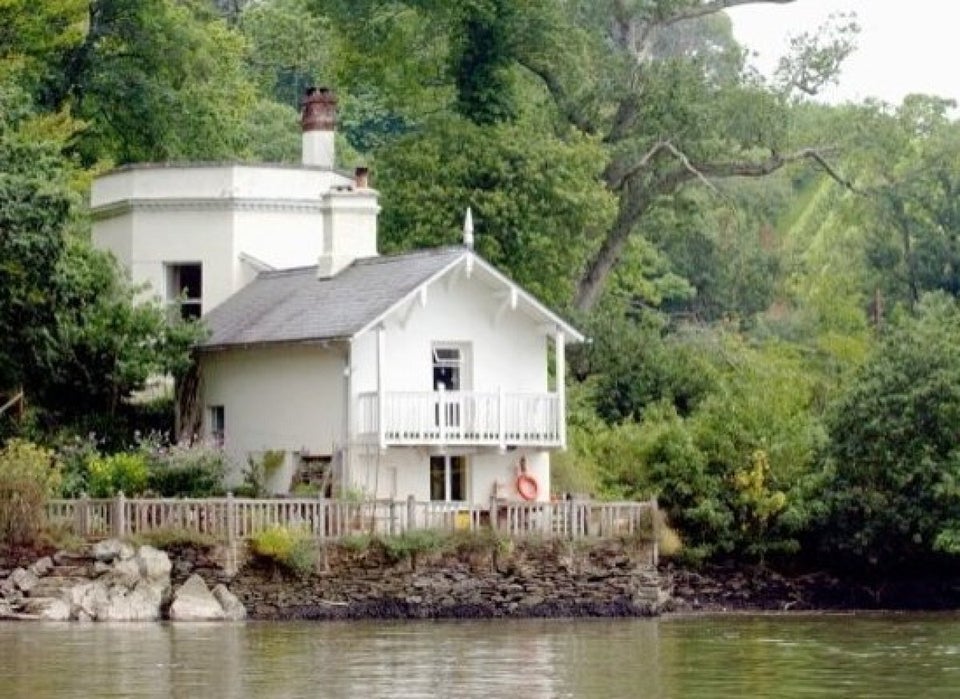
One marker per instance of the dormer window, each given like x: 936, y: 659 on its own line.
x: 185, y: 289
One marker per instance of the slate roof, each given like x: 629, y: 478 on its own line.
x: 294, y: 305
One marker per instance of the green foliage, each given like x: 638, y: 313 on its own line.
x: 171, y: 537
x: 356, y: 543
x: 36, y: 205
x: 125, y: 473
x: 104, y: 345
x: 293, y: 549
x: 411, y: 544
x: 29, y: 475
x: 76, y: 454
x: 537, y: 200
x: 640, y: 364
x: 186, y: 470
x: 893, y: 498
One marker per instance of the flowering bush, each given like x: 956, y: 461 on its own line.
x: 186, y: 470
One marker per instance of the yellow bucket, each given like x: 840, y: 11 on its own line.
x: 461, y: 521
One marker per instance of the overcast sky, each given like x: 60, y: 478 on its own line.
x: 904, y: 45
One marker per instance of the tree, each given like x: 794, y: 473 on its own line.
x: 894, y: 499
x: 536, y: 200
x: 36, y: 206
x: 155, y: 80
x: 659, y: 84
x: 103, y: 345
x: 909, y: 211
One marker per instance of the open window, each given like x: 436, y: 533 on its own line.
x: 448, y: 478
x: 447, y: 368
x: 185, y: 289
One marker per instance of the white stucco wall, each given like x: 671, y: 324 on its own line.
x: 285, y: 398
x: 508, y: 349
x: 400, y: 472
x: 150, y: 216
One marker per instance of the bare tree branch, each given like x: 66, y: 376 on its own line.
x: 639, y: 194
x: 565, y: 103
x: 746, y: 168
x: 712, y: 7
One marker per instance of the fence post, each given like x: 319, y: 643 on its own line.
x: 321, y: 525
x: 655, y: 519
x: 119, y: 516
x: 393, y: 517
x: 231, y: 519
x: 81, y: 516
x: 231, y: 514
x: 411, y: 513
x: 494, y: 525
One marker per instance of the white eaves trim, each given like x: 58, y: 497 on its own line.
x: 546, y: 316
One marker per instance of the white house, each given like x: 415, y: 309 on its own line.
x: 423, y: 374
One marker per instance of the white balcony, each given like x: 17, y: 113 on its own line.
x: 461, y: 418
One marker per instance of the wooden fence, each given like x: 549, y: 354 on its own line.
x: 231, y: 519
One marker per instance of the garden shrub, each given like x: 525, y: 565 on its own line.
x: 124, y: 472
x: 183, y: 470
x: 75, y: 454
x: 169, y: 537
x: 290, y: 548
x: 29, y: 474
x: 413, y: 543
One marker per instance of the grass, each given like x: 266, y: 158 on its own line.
x: 168, y: 537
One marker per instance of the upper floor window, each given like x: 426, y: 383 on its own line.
x: 447, y: 368
x: 185, y: 288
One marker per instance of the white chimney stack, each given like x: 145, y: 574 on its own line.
x: 468, y: 229
x: 319, y: 120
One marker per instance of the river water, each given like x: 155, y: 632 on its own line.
x: 698, y: 656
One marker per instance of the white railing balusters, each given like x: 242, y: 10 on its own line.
x: 461, y: 417
x: 232, y: 519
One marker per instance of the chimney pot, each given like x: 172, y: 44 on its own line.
x: 361, y: 178
x: 319, y: 110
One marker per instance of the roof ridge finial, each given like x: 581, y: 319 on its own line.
x: 468, y: 229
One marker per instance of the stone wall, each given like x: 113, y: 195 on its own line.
x: 530, y: 579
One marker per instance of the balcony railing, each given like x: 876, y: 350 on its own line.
x: 461, y: 418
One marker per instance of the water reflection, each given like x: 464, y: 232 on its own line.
x: 693, y: 657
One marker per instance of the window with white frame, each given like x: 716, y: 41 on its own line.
x: 217, y: 424
x: 185, y: 289
x: 447, y: 367
x: 448, y: 478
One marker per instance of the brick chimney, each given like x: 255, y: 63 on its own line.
x: 318, y: 120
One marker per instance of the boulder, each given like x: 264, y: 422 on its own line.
x: 110, y: 550
x: 46, y: 609
x: 194, y: 602
x: 233, y: 609
x: 124, y: 572
x: 153, y: 563
x: 140, y: 604
x: 86, y: 599
x: 6, y: 610
x: 42, y: 566
x: 23, y: 579
x: 8, y: 590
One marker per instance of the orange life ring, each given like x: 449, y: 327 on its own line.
x: 527, y: 487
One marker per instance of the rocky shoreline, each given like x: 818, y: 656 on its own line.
x: 115, y: 581
x: 746, y: 588
x: 110, y: 581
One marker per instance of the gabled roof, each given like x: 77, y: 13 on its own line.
x: 296, y: 306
